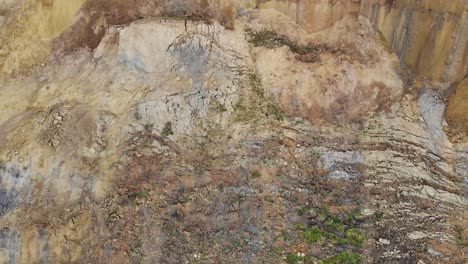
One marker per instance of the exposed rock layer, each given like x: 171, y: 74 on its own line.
x: 314, y: 15
x: 429, y: 36
x: 166, y: 141
x: 457, y: 107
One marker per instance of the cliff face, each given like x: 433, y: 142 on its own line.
x: 429, y: 36
x: 314, y: 15
x: 456, y: 107
x: 351, y: 74
x: 128, y: 135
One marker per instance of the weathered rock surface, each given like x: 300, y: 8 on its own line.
x: 429, y: 36
x: 165, y: 140
x: 456, y: 107
x: 314, y: 15
x: 352, y: 76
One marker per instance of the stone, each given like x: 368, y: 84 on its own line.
x: 384, y: 241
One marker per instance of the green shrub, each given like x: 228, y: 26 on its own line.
x: 285, y: 236
x: 255, y: 174
x: 344, y: 258
x: 302, y: 210
x: 355, y: 237
x: 167, y: 129
x: 317, y: 235
x: 294, y: 258
x: 335, y: 224
x: 379, y: 216
x: 352, y: 236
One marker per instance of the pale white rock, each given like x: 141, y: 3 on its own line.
x: 384, y: 241
x: 417, y: 235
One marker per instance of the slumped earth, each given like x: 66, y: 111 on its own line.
x: 233, y: 131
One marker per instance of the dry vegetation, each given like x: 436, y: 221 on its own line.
x: 305, y: 53
x: 97, y: 15
x: 219, y: 10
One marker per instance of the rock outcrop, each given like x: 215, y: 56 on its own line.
x: 131, y: 137
x: 429, y: 36
x: 348, y: 76
x: 456, y: 107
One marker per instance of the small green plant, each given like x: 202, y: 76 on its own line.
x: 317, y: 235
x: 255, y: 174
x: 353, y: 216
x: 299, y: 226
x: 344, y: 258
x: 285, y: 236
x: 379, y: 216
x: 355, y: 237
x: 255, y: 104
x: 183, y: 198
x: 322, y: 213
x: 335, y: 223
x: 302, y: 210
x: 141, y: 194
x: 352, y: 237
x: 294, y: 258
x: 167, y: 129
x: 268, y: 38
x: 460, y: 236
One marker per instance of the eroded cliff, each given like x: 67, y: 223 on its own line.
x: 177, y: 132
x: 428, y: 36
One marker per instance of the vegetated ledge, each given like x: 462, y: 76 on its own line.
x: 309, y: 53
